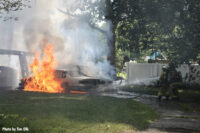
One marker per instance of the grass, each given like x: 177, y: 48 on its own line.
x: 189, y: 98
x: 150, y: 90
x: 192, y: 95
x: 61, y: 113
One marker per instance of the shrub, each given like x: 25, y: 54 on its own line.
x: 12, y: 120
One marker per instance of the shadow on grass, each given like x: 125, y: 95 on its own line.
x: 75, y: 113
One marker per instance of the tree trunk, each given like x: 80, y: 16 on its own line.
x: 109, y: 15
x: 112, y: 56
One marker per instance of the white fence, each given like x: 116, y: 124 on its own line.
x: 147, y: 73
x: 143, y: 73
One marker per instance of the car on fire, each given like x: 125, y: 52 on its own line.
x: 78, y: 80
x: 74, y: 79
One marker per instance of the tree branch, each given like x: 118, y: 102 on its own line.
x: 91, y: 25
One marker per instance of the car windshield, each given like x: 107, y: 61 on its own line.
x: 77, y: 74
x: 78, y: 71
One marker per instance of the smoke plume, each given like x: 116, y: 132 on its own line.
x: 69, y: 29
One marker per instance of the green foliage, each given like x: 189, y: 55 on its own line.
x: 186, y: 86
x: 189, y: 95
x: 171, y: 27
x: 13, y: 120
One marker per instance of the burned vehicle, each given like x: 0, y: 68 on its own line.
x: 72, y: 78
x: 76, y: 79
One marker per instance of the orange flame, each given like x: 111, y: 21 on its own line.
x: 43, y: 79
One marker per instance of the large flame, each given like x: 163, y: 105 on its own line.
x: 43, y: 78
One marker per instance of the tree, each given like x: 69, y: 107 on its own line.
x: 183, y: 31
x: 171, y: 27
x: 12, y: 5
x: 119, y: 12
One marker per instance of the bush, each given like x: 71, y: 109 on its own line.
x: 12, y: 120
x: 195, y: 86
x: 185, y: 86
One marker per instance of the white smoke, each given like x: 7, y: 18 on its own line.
x: 75, y: 41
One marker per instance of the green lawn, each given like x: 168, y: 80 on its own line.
x: 189, y: 98
x: 61, y: 113
x: 151, y: 90
x: 187, y: 94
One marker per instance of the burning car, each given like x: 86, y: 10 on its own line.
x: 46, y: 78
x: 79, y: 80
x: 74, y: 80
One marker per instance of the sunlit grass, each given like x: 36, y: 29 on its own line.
x: 61, y: 113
